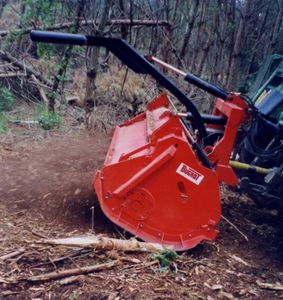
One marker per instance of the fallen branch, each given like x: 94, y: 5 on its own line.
x: 235, y: 227
x: 66, y: 25
x: 12, y: 254
x: 63, y: 258
x: 11, y: 75
x: 41, y: 91
x: 73, y: 272
x: 9, y: 58
x: 23, y: 122
x: 104, y: 243
x: 240, y: 260
x: 270, y: 286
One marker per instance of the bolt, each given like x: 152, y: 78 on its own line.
x: 107, y: 196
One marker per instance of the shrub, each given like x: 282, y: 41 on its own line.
x: 7, y: 99
x: 165, y: 258
x: 48, y: 120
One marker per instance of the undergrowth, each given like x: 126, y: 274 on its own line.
x: 165, y: 258
x: 3, y: 122
x: 48, y: 120
x: 7, y: 99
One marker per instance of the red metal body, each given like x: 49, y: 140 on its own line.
x: 235, y: 109
x: 152, y: 183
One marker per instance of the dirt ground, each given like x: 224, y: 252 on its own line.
x: 46, y: 191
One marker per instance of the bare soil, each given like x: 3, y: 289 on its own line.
x: 46, y: 191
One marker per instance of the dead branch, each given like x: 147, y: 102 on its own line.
x: 9, y: 58
x: 23, y: 122
x: 236, y: 228
x: 11, y: 74
x: 270, y: 286
x: 12, y: 254
x: 41, y: 91
x: 65, y: 25
x: 240, y: 260
x: 61, y: 259
x: 105, y: 243
x: 73, y: 272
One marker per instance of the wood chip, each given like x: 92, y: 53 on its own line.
x: 227, y: 295
x: 214, y: 287
x: 72, y: 279
x: 240, y: 260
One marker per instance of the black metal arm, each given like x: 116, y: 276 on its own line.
x: 206, y: 86
x: 191, y: 78
x: 128, y: 55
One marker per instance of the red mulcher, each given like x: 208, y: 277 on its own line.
x: 160, y: 179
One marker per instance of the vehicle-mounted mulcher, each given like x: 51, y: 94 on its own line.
x: 161, y: 175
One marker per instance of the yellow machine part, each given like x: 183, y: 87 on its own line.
x: 246, y: 167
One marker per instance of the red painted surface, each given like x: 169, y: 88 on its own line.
x: 153, y: 185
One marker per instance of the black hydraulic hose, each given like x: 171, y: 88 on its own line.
x: 210, y: 119
x: 128, y: 55
x: 206, y: 86
x: 191, y: 78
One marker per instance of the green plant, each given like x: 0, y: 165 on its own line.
x: 3, y: 123
x: 165, y: 258
x: 48, y: 120
x: 46, y: 51
x: 7, y: 99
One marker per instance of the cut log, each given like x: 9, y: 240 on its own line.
x: 73, y: 272
x: 105, y: 243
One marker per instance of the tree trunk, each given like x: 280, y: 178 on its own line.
x: 232, y: 21
x: 257, y: 42
x: 276, y: 28
x: 124, y: 30
x: 65, y: 60
x: 237, y: 50
x: 92, y: 68
x: 3, y: 3
x: 200, y: 25
x: 191, y: 21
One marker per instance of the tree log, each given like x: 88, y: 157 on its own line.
x: 105, y: 243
